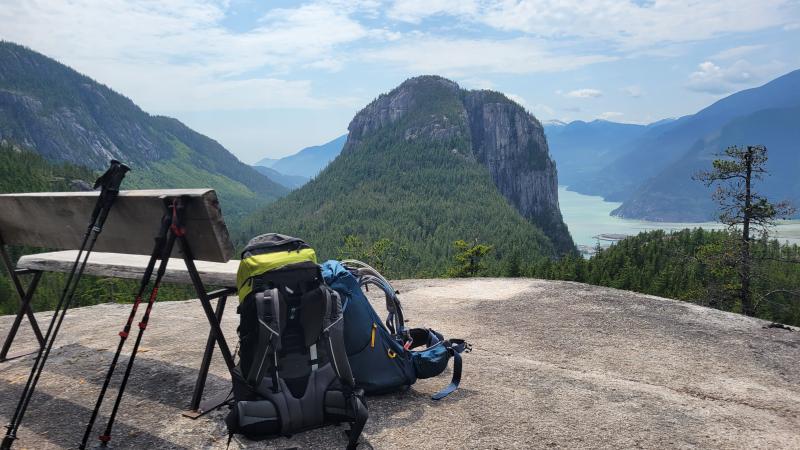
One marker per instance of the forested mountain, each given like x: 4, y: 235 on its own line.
x: 68, y: 117
x: 307, y: 162
x: 427, y: 164
x: 665, y: 144
x: 580, y: 148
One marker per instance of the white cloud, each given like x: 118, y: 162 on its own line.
x: 414, y: 11
x: 610, y: 115
x: 176, y: 55
x: 736, y: 52
x: 476, y: 83
x: 584, y: 93
x: 714, y: 79
x: 542, y: 109
x: 519, y: 100
x: 791, y: 26
x: 628, y: 24
x: 456, y: 57
x: 634, y: 91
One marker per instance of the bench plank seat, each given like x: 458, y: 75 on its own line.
x: 123, y: 265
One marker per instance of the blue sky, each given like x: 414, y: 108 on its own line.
x: 268, y: 78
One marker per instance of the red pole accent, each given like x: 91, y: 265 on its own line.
x: 176, y: 230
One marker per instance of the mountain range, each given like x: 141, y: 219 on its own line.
x: 64, y: 116
x: 579, y: 147
x: 288, y: 181
x: 424, y: 165
x: 650, y: 168
x: 307, y: 162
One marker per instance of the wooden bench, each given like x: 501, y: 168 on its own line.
x: 58, y: 221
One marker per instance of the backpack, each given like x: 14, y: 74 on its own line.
x: 293, y: 373
x: 387, y: 356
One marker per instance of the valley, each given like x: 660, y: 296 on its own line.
x: 589, y: 216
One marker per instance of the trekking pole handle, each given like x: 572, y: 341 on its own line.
x: 109, y: 184
x: 112, y: 179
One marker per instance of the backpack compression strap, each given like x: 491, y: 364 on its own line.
x: 333, y: 333
x: 268, y: 309
x: 455, y: 347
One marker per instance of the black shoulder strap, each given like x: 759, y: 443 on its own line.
x: 333, y: 336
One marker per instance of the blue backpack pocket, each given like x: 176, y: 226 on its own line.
x: 431, y: 361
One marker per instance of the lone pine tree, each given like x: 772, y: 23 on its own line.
x: 741, y: 206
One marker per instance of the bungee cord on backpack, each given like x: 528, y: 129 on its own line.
x: 367, y: 275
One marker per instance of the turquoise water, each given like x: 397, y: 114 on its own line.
x: 588, y: 216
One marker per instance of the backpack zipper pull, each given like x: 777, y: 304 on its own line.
x: 372, y: 338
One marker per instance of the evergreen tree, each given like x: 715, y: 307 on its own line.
x: 741, y: 206
x: 469, y: 259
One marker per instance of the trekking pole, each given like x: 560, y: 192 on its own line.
x: 109, y: 183
x: 167, y: 251
x: 123, y: 335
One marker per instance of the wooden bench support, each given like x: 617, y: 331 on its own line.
x: 197, y: 407
x: 25, y: 296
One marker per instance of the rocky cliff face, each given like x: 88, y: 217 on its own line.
x: 66, y: 116
x: 500, y: 135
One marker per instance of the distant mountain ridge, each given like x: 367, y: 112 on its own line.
x: 288, y: 181
x: 673, y: 196
x: 580, y: 148
x: 424, y: 165
x: 307, y: 162
x: 647, y: 176
x: 65, y: 116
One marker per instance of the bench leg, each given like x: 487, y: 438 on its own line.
x: 24, y: 310
x: 188, y: 259
x: 196, y: 409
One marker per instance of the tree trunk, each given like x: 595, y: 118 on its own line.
x: 744, y: 272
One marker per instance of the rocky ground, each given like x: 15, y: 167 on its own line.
x: 555, y: 364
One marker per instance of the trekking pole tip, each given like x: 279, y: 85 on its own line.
x: 8, y: 441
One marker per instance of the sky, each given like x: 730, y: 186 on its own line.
x: 267, y: 78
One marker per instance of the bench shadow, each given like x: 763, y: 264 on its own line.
x: 159, y: 381
x: 61, y: 422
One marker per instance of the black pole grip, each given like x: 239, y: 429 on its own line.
x: 109, y: 184
x: 112, y: 179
